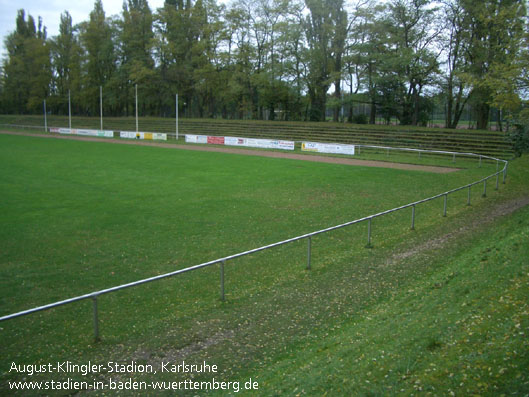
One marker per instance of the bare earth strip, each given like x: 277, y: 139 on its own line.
x: 260, y: 153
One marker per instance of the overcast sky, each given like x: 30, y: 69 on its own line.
x: 51, y: 10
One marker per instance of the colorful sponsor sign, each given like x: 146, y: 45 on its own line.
x: 142, y: 135
x: 74, y: 131
x: 336, y: 148
x: 216, y: 140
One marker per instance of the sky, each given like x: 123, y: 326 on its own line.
x: 51, y: 10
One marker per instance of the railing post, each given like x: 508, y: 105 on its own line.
x: 480, y: 161
x: 96, y: 319
x: 222, y: 298
x: 413, y: 216
x: 454, y: 158
x: 484, y: 188
x: 445, y: 202
x: 505, y: 172
x: 308, y: 252
x: 369, y: 233
x: 468, y: 201
x: 497, y: 180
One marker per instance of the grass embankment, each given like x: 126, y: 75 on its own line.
x: 80, y: 216
x: 460, y: 329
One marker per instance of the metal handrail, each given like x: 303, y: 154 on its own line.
x: 222, y: 261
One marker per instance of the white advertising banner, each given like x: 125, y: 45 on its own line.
x: 127, y: 134
x: 336, y: 148
x: 196, y: 138
x: 74, y: 131
x: 234, y: 141
x: 260, y: 143
x: 159, y: 136
x: 142, y: 135
x: 286, y: 145
x: 237, y: 141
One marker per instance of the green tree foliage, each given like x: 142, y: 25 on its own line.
x: 367, y: 60
x: 325, y: 31
x: 496, y: 33
x: 27, y: 69
x: 66, y: 56
x: 411, y: 57
x: 136, y: 42
x: 278, y: 59
x: 98, y: 37
x: 456, y: 40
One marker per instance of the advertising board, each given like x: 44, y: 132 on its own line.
x: 75, y: 131
x: 336, y: 148
x: 190, y: 138
x: 238, y: 141
x: 142, y: 135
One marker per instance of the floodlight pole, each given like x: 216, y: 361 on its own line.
x: 136, y: 108
x: 69, y: 110
x: 101, y: 105
x: 177, y: 117
x: 45, y: 118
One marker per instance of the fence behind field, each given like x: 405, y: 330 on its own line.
x: 488, y: 143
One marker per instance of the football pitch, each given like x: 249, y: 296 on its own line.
x: 83, y: 216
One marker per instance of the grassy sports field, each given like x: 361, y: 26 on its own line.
x: 81, y: 216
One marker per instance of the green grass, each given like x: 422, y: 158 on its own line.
x: 459, y: 329
x: 142, y: 211
x: 80, y: 216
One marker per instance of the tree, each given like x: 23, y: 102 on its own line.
x: 413, y: 31
x: 66, y: 58
x: 368, y: 50
x: 456, y: 40
x: 27, y: 69
x: 98, y: 38
x: 240, y: 96
x: 208, y: 66
x: 176, y: 36
x: 136, y: 56
x: 496, y: 32
x: 325, y: 32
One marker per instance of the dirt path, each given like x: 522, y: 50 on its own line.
x: 247, y: 152
x: 482, y: 219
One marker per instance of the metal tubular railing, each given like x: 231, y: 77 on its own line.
x: 222, y: 261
